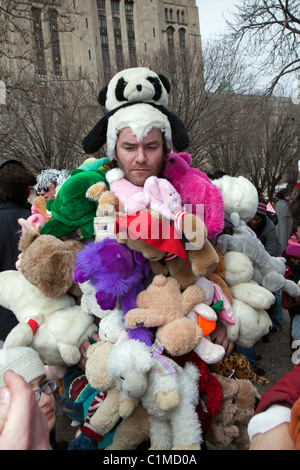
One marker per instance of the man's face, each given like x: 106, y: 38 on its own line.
x: 139, y: 160
x: 256, y: 221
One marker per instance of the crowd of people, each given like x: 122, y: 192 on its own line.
x: 139, y: 154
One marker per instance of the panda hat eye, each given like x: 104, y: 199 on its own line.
x: 157, y: 87
x: 120, y: 87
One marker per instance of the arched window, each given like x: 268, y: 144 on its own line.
x: 181, y: 33
x: 182, y: 17
x: 170, y: 37
x: 178, y: 16
x: 171, y: 14
x: 166, y: 14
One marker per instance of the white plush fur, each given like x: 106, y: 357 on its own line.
x: 239, y: 195
x: 170, y: 400
x: 133, y: 77
x: 63, y: 326
x: 250, y: 301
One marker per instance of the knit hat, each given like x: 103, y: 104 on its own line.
x: 23, y: 361
x: 261, y: 209
x: 293, y: 248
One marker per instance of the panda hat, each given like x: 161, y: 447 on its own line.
x: 135, y: 98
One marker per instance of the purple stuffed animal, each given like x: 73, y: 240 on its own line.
x: 117, y: 273
x: 195, y: 188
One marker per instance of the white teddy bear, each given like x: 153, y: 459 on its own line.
x: 170, y: 399
x: 55, y: 328
x: 250, y: 301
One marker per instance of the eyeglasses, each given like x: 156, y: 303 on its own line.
x: 48, y: 388
x: 44, y: 188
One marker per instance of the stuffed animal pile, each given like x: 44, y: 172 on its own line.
x: 149, y: 271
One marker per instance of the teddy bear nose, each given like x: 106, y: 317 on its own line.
x: 139, y: 87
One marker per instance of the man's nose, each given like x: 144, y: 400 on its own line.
x: 140, y: 156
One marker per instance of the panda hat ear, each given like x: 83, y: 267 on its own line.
x: 165, y: 82
x: 102, y: 95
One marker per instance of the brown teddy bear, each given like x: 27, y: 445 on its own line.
x: 163, y: 305
x: 229, y: 425
x: 186, y: 254
x: 47, y: 262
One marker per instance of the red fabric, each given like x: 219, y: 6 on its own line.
x: 284, y: 392
x: 160, y: 234
x: 33, y: 325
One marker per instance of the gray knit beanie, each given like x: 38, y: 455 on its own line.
x: 23, y: 361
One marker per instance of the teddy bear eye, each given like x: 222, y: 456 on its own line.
x: 122, y: 378
x: 233, y: 400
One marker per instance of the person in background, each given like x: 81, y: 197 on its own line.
x: 285, y: 221
x: 49, y: 181
x: 15, y: 183
x: 28, y: 408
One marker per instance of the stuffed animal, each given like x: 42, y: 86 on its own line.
x: 40, y: 215
x: 72, y: 212
x: 229, y: 426
x: 54, y: 327
x: 162, y: 305
x: 240, y: 197
x: 159, y: 241
x: 218, y: 276
x: 157, y: 194
x: 268, y: 270
x: 238, y: 366
x: 170, y: 398
x: 250, y: 301
x: 117, y: 273
x: 136, y: 96
x: 48, y: 262
x: 108, y: 208
x: 197, y: 192
x: 130, y: 431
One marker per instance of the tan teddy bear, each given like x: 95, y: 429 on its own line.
x: 163, y: 305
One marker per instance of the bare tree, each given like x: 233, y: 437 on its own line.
x: 269, y: 31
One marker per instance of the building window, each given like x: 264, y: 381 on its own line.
x: 115, y: 5
x: 39, y: 41
x: 170, y: 37
x: 54, y: 38
x: 166, y: 14
x: 102, y: 22
x: 178, y: 16
x: 171, y: 14
x: 128, y: 8
x: 101, y: 4
x: 182, y: 17
x: 182, y: 38
x: 90, y: 55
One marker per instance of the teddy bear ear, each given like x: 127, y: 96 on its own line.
x: 102, y: 95
x: 165, y: 82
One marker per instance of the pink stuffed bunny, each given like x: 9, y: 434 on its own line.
x: 157, y: 194
x: 195, y: 188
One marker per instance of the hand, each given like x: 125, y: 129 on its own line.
x: 219, y: 336
x: 83, y: 349
x: 23, y: 426
x: 277, y: 438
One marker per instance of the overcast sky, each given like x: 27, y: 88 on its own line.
x: 211, y: 14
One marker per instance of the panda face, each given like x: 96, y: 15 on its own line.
x: 137, y: 85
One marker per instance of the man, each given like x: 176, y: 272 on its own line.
x: 15, y: 182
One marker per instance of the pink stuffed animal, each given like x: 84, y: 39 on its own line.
x: 157, y: 194
x: 195, y: 188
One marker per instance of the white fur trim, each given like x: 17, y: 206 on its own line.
x: 141, y: 118
x: 114, y: 175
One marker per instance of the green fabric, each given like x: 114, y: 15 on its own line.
x: 71, y: 209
